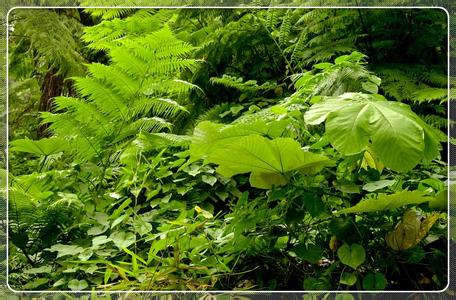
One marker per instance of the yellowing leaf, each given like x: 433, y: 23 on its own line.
x: 370, y: 160
x: 410, y: 231
x: 333, y: 243
x: 426, y: 226
x: 406, y: 232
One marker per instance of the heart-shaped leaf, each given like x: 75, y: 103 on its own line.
x: 77, y: 285
x: 352, y: 256
x: 100, y: 240
x: 238, y: 149
x: 44, y: 147
x: 123, y: 239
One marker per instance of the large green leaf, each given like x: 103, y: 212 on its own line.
x: 267, y: 160
x: 208, y: 136
x: 398, y: 136
x: 45, y: 147
x: 385, y: 202
x: 64, y: 250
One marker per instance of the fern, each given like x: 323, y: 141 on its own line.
x: 414, y: 83
x: 430, y: 94
x: 54, y: 43
x: 347, y: 74
x: 109, y: 13
x: 153, y: 141
x: 213, y: 113
x: 125, y: 97
x: 32, y: 206
x: 272, y: 18
x: 323, y: 36
x: 285, y: 29
x: 250, y: 86
x: 437, y: 121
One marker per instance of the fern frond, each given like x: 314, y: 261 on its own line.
x: 22, y: 207
x: 174, y: 139
x: 152, y: 124
x: 430, y: 94
x: 134, y: 93
x: 343, y: 76
x: 109, y: 13
x: 213, y: 113
x: 173, y: 87
x: 55, y: 43
x: 239, y: 84
x: 272, y: 18
x: 129, y: 62
x: 81, y: 110
x: 164, y: 45
x: 117, y: 80
x: 298, y: 48
x: 26, y: 193
x: 67, y: 203
x: 103, y: 96
x: 285, y: 29
x: 172, y: 66
x: 412, y: 83
x: 437, y: 121
x: 152, y: 141
x: 81, y: 137
x: 162, y: 107
x: 313, y: 15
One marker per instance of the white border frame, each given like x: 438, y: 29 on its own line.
x: 225, y: 291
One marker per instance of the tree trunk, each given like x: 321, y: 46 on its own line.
x: 51, y: 87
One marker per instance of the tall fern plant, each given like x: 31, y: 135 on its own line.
x: 139, y: 91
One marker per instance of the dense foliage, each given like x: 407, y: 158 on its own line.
x: 268, y: 149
